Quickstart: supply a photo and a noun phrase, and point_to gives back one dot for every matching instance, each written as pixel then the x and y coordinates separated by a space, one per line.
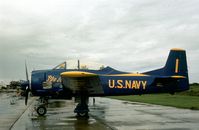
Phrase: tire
pixel 41 110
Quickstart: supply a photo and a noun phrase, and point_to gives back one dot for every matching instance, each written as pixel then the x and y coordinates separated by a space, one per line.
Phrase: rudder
pixel 175 69
pixel 176 65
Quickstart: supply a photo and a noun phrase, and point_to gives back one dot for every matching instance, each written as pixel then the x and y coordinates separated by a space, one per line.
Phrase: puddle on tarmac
pixel 56 104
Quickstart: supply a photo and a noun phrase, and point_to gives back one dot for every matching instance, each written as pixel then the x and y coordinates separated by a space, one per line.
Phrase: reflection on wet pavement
pixel 105 114
pixel 59 116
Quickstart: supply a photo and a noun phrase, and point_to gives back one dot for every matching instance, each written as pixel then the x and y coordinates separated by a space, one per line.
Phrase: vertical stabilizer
pixel 176 63
pixel 176 66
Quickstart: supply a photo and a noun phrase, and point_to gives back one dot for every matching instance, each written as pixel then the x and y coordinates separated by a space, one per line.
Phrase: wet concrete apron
pixel 11 109
pixel 105 114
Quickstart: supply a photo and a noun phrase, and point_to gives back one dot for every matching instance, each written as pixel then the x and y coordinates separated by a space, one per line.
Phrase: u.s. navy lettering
pixel 128 84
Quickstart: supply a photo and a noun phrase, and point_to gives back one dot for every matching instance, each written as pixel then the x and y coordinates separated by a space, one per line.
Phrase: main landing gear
pixel 82 107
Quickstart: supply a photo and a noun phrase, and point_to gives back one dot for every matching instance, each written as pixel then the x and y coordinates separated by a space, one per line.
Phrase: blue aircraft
pixel 84 83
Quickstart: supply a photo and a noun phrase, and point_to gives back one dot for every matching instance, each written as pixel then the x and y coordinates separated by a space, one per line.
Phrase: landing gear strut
pixel 41 106
pixel 82 107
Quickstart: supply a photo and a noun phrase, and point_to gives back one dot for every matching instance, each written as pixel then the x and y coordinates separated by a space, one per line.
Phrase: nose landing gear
pixel 40 108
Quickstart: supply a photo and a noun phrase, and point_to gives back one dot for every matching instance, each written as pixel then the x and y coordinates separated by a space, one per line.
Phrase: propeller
pixel 26 95
pixel 27 90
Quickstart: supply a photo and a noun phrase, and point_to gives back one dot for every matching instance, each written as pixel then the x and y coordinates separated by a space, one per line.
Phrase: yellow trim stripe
pixel 177 66
pixel 178 77
pixel 131 74
pixel 73 74
pixel 76 74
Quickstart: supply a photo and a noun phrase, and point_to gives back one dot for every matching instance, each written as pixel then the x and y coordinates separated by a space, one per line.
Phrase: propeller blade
pixel 28 86
pixel 26 95
pixel 27 78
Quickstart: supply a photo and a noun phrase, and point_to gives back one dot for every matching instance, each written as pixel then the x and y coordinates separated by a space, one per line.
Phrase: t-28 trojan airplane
pixel 83 83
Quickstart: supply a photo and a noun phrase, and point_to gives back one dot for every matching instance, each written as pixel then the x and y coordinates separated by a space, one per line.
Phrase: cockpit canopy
pixel 77 65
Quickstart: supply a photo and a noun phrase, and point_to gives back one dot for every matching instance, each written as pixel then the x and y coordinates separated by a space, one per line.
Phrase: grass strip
pixel 188 99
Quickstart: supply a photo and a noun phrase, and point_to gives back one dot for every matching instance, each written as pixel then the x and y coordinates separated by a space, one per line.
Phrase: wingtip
pixel 177 49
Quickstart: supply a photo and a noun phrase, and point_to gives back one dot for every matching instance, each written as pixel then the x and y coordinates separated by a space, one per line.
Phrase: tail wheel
pixel 41 110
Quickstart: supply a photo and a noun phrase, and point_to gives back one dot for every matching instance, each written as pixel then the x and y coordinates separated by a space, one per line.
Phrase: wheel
pixel 41 110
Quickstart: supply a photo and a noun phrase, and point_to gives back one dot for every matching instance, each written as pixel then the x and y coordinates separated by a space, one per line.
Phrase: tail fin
pixel 176 63
pixel 176 67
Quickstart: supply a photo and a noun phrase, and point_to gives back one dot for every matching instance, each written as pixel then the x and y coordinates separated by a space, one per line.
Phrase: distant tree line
pixel 194 84
pixel 14 84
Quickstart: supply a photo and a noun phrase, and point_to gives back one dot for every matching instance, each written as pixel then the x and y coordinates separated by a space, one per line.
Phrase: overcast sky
pixel 129 35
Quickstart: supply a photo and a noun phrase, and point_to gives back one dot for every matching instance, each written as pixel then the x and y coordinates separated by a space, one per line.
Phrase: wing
pixel 82 82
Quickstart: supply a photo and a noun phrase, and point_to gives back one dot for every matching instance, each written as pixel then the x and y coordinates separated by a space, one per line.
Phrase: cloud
pixel 131 36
